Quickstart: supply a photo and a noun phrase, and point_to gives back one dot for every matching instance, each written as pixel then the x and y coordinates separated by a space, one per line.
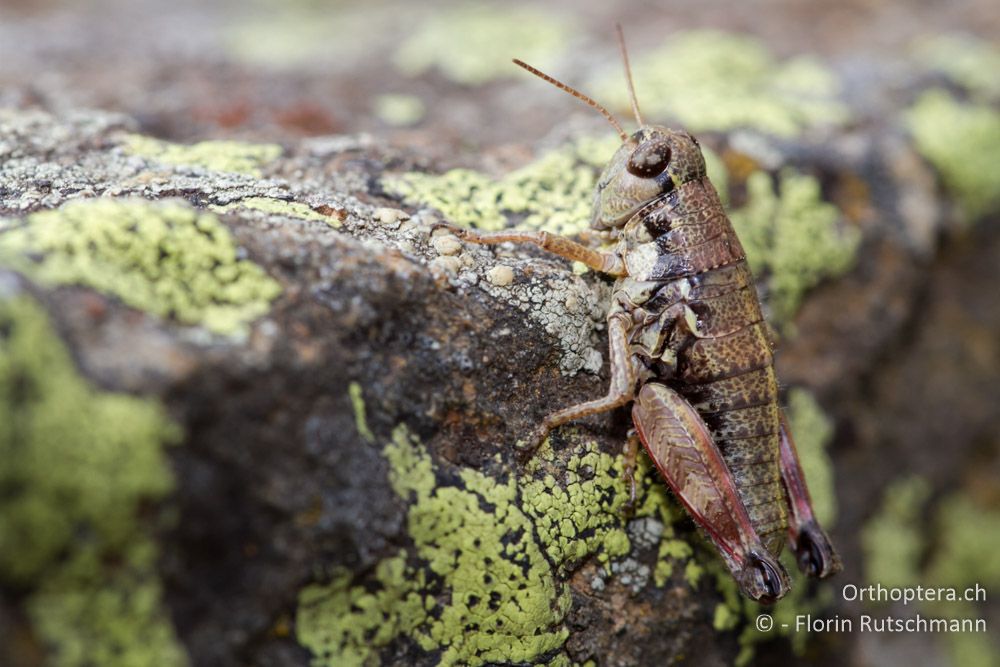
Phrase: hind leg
pixel 679 443
pixel 812 547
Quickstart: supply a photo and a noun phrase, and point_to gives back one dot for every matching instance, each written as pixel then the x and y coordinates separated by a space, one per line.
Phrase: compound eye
pixel 649 159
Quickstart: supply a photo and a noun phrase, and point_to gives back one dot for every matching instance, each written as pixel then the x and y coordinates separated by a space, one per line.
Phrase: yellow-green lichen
pixel 967 542
pixel 473 43
pixel 672 551
pixel 711 80
pixel 554 193
pixel 893 540
pixel 967 60
pixel 962 141
pixel 900 552
pixel 78 464
pixel 358 404
pixel 485 579
pixel 399 110
pixel 724 618
pixel 582 514
pixel 792 237
pixel 291 209
pixel 304 37
pixel 163 258
pixel 231 156
pixel 344 625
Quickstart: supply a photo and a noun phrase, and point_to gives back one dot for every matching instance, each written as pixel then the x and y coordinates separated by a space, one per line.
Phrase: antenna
pixel 575 93
pixel 628 75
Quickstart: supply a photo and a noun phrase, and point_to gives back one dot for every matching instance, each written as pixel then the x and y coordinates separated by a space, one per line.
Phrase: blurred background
pixel 891 107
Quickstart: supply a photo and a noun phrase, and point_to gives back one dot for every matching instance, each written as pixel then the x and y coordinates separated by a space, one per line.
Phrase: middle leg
pixel 620 391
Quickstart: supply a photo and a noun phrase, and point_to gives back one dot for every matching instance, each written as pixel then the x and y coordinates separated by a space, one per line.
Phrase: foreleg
pixel 604 262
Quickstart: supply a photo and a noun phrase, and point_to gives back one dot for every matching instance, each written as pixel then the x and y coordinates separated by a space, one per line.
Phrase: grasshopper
pixel 690 350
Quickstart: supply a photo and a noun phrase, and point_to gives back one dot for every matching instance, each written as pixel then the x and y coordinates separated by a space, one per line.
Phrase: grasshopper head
pixel 649 164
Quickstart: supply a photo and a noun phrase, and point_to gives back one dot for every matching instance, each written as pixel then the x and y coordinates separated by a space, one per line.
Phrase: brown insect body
pixel 689 349
pixel 697 322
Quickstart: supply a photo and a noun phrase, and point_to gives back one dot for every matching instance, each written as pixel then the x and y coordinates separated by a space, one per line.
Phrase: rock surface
pixel 253 410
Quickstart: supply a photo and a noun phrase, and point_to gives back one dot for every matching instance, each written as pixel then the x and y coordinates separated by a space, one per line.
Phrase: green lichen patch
pixel 968 540
pixel 358 404
pixel 582 514
pixel 291 209
pixel 78 464
pixel 554 193
pixel 495 597
pixel 90 613
pixel 164 258
pixel 399 110
pixel 711 80
pixel 344 625
pixel 967 60
pixel 485 579
pixel 893 540
pixel 899 551
pixel 962 142
pixel 473 43
pixel 229 156
pixel 792 237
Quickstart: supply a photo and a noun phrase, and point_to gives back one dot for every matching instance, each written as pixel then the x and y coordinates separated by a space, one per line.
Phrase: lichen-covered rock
pixel 255 410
